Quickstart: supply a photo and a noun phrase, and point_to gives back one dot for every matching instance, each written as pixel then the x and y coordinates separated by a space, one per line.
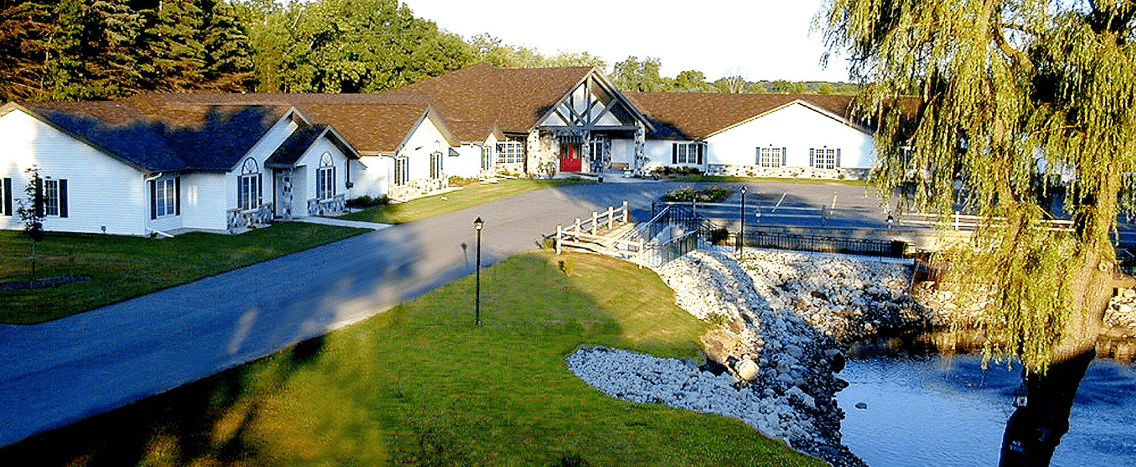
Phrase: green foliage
pixel 718 319
pixel 105 49
pixel 719 235
pixel 1007 93
pixel 366 201
pixel 492 50
pixel 712 194
pixel 347 46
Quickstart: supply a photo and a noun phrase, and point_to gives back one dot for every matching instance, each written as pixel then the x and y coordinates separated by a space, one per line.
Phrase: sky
pixel 757 39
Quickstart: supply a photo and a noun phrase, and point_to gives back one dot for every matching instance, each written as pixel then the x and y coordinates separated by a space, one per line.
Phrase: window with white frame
pixel 487 156
pixel 325 178
pixel 401 171
pixel 249 185
pixel 687 153
pixel 824 158
pixel 771 157
pixel 55 197
pixel 510 152
pixel 436 165
pixel 597 143
pixel 164 197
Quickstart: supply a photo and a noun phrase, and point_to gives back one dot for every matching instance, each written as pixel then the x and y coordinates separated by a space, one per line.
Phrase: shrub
pixel 367 201
pixel 719 236
pixel 462 181
pixel 707 195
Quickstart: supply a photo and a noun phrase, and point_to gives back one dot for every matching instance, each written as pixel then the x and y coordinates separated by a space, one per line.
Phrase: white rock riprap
pixel 680 383
pixel 780 366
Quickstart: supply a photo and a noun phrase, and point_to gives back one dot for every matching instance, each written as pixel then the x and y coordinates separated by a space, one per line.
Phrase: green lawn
pixel 468 196
pixel 123 267
pixel 421 385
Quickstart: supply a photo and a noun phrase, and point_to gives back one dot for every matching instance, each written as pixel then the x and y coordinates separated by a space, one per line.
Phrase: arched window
pixel 249 185
pixel 325 177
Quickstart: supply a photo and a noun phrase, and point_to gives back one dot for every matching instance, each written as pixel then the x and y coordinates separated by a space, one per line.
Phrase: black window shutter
pixel 837 157
pixel 812 157
pixel 177 196
pixel 259 191
pixel 153 199
pixel 784 156
pixel 63 198
pixel 674 153
pixel 701 152
pixel 7 197
pixel 38 201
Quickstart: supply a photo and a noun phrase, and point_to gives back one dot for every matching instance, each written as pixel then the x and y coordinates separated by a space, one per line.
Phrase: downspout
pixel 145 224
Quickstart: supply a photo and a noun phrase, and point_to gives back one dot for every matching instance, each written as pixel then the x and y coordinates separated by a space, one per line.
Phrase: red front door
pixel 570 157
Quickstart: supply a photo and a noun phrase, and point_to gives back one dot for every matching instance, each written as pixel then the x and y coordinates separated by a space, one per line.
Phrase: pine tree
pixel 27 33
pixel 97 59
pixel 228 64
pixel 171 57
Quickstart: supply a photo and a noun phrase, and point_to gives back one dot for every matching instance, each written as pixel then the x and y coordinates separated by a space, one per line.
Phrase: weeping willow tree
pixel 982 105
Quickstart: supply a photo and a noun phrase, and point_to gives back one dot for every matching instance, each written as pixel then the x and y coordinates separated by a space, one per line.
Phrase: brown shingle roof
pixel 165 137
pixel 473 99
pixel 689 115
pixel 372 123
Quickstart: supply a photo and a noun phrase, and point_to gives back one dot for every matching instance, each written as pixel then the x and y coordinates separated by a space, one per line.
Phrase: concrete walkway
pixel 343 222
pixel 56 373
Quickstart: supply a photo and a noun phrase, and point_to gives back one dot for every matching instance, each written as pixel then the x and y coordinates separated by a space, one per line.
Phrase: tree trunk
pixel 1035 429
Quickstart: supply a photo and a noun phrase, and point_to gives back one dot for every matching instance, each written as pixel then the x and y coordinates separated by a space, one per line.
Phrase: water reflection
pixel 947 411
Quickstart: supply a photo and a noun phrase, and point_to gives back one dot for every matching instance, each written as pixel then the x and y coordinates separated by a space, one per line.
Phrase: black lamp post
pixel 477 225
pixel 741 235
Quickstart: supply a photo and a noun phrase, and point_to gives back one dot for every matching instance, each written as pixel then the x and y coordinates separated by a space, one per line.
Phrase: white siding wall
pixel 309 163
pixel 424 139
pixel 260 151
pixel 466 164
pixel 796 128
pixel 101 190
pixel 205 197
pixel 372 175
pixel 623 150
pixel 660 152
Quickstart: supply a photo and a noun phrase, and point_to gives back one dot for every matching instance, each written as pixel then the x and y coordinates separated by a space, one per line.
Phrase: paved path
pixel 56 373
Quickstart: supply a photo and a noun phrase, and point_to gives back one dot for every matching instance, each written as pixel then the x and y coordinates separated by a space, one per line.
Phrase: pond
pixel 948 411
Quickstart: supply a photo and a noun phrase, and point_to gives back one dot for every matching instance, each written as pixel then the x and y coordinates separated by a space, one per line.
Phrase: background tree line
pixel 108 49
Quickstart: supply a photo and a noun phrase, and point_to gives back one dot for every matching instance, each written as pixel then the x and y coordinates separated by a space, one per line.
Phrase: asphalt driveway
pixel 56 373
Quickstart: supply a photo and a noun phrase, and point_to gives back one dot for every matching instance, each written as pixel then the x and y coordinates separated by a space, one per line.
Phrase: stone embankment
pixel 783 320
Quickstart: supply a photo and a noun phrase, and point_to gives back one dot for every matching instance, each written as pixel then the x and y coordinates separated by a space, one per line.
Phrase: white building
pixel 762 135
pixel 137 168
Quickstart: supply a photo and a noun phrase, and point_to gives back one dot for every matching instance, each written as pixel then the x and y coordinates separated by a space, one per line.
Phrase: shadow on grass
pixel 422 385
pixel 207 421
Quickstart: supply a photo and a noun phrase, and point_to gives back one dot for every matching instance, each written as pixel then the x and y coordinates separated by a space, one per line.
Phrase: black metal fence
pixel 855 246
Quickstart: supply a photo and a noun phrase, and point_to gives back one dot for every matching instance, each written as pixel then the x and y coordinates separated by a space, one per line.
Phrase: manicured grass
pixel 468 196
pixel 124 267
pixel 421 385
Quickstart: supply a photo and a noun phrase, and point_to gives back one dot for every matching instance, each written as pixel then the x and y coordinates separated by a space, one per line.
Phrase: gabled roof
pixel 163 137
pixel 692 116
pixel 475 98
pixel 292 149
pixel 372 123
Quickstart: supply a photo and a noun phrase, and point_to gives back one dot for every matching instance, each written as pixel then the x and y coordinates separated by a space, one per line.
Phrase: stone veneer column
pixel 532 153
pixel 640 159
